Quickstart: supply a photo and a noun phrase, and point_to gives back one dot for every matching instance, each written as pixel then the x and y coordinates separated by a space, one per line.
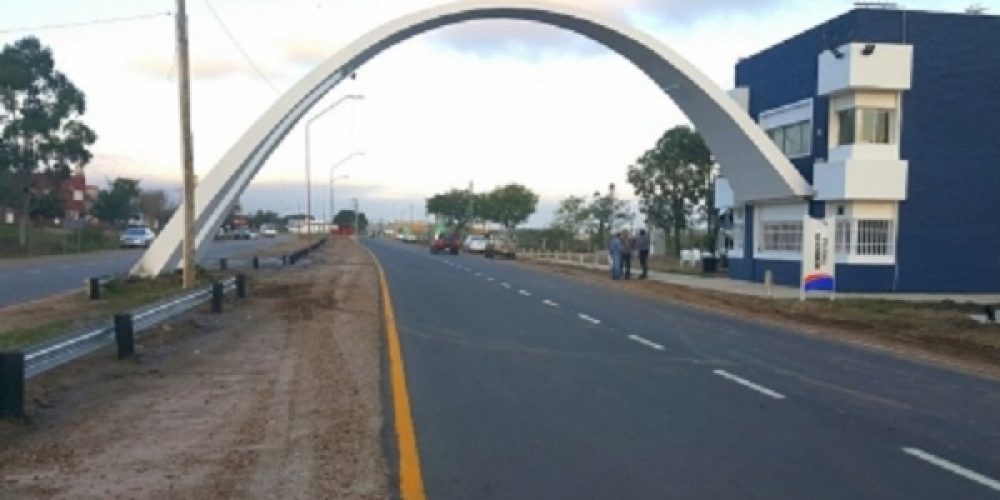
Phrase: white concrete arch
pixel 748 159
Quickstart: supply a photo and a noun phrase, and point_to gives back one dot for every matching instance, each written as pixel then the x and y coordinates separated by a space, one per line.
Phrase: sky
pixel 486 102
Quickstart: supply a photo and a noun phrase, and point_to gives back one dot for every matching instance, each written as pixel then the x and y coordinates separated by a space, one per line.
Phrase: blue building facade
pixel 894 117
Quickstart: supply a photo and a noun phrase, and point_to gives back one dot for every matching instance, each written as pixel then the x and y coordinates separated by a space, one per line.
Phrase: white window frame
pixel 793 116
pixel 789 232
pixel 738 232
pixel 863 247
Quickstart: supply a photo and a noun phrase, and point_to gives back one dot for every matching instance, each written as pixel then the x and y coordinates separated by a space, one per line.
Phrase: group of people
pixel 620 251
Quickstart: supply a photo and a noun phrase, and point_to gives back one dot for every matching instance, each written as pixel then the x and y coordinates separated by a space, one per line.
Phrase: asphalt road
pixel 527 385
pixel 23 280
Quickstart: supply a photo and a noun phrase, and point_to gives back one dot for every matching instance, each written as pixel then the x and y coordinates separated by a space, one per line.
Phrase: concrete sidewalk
pixel 727 285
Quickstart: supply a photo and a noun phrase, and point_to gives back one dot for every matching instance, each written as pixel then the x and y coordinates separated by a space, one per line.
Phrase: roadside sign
pixel 818 263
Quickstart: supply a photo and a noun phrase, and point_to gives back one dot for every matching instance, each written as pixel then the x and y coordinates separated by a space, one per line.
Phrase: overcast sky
pixel 486 102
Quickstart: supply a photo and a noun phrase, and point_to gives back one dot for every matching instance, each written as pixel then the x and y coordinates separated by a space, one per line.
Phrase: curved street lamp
pixel 309 123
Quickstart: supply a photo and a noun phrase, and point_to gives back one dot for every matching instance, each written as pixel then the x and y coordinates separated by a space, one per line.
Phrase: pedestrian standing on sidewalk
pixel 642 244
pixel 615 257
pixel 628 244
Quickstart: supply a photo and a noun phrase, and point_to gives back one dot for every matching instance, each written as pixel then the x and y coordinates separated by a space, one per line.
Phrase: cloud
pixel 202 68
pixel 531 40
pixel 307 51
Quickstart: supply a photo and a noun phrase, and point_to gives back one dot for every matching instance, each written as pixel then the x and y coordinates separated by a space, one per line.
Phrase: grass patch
pixel 55 241
pixel 25 337
pixel 118 296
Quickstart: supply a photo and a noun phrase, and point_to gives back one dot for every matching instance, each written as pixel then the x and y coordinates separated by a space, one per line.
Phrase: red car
pixel 446 243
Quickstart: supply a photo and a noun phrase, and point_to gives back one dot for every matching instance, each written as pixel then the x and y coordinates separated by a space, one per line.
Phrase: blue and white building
pixel 893 116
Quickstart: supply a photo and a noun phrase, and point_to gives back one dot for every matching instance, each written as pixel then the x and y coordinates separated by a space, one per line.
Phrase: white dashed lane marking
pixel 524 292
pixel 646 342
pixel 505 285
pixel 954 468
pixel 550 303
pixel 750 385
pixel 589 319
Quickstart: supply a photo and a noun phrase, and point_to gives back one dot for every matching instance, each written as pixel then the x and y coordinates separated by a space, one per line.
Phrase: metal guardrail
pixel 17 367
pixel 45 357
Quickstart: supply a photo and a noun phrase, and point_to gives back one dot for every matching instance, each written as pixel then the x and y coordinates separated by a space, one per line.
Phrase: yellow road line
pixel 411 483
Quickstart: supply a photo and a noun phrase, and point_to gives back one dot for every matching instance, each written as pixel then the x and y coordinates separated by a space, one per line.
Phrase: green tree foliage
pixel 117 203
pixel 346 218
pixel 509 205
pixel 572 215
pixel 262 217
pixel 41 137
pixel 457 206
pixel 674 182
pixel 605 212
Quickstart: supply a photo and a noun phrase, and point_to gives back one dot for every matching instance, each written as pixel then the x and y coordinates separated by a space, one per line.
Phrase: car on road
pixel 136 237
pixel 268 231
pixel 449 243
pixel 475 243
pixel 501 245
pixel 244 234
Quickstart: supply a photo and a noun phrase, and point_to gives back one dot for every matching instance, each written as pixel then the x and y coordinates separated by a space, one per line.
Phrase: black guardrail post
pixel 284 260
pixel 241 286
pixel 991 314
pixel 256 262
pixel 222 264
pixel 95 288
pixel 125 335
pixel 217 291
pixel 12 384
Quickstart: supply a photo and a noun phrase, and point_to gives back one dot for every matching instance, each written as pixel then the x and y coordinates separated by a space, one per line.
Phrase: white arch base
pixel 748 159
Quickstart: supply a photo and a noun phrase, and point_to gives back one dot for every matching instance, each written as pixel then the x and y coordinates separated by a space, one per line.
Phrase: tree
pixel 41 138
pixel 509 205
pixel 117 203
pixel 671 180
pixel 346 218
pixel 262 217
pixel 572 215
pixel 456 206
pixel 156 207
pixel 605 212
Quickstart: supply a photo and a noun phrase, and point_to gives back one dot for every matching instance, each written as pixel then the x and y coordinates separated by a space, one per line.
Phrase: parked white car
pixel 475 244
pixel 137 237
pixel 268 231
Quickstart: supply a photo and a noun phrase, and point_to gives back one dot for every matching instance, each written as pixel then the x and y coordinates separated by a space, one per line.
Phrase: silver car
pixel 137 237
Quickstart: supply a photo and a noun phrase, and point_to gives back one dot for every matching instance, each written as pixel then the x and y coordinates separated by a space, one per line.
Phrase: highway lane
pixel 23 280
pixel 549 388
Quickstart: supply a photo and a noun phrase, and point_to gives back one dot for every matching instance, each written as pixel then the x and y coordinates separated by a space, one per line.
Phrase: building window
pixel 781 236
pixel 875 237
pixel 843 244
pixel 738 228
pixel 875 124
pixel 864 126
pixel 77 195
pixel 794 140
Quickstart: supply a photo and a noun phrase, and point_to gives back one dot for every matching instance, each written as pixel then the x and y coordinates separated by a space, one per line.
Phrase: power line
pixel 239 47
pixel 80 24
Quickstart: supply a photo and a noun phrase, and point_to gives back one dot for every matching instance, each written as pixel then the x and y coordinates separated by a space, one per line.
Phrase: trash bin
pixel 709 264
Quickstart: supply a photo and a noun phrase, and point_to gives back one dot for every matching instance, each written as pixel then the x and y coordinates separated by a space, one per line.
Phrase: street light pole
pixel 309 123
pixel 333 214
pixel 333 169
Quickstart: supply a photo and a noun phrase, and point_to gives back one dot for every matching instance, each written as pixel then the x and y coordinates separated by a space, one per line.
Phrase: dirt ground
pixel 278 397
pixel 937 333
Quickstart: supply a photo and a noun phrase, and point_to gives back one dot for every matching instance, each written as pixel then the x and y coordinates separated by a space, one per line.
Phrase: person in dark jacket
pixel 615 256
pixel 628 244
pixel 642 245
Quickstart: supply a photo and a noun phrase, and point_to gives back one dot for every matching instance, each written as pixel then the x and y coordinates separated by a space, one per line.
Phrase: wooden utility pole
pixel 187 147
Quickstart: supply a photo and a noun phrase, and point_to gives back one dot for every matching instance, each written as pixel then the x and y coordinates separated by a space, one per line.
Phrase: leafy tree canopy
pixel 674 179
pixel 118 202
pixel 41 137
